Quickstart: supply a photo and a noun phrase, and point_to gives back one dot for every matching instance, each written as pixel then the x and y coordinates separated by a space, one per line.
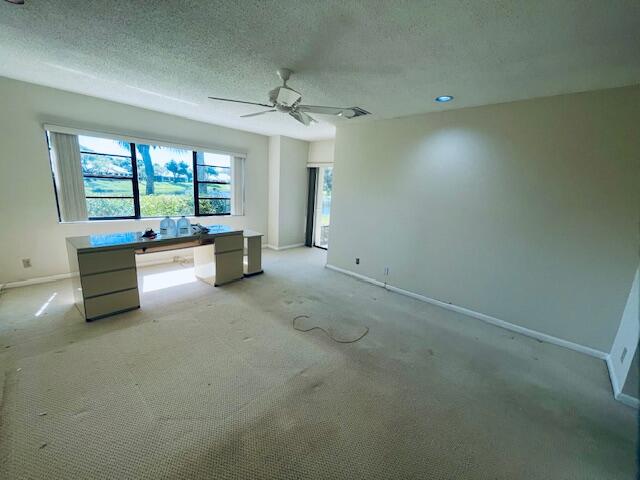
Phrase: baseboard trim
pixel 480 316
pixel 615 386
pixel 38 280
pixel 285 247
pixel 628 400
pixel 355 275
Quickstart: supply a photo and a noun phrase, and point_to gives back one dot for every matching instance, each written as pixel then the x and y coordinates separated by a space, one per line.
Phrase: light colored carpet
pixel 215 383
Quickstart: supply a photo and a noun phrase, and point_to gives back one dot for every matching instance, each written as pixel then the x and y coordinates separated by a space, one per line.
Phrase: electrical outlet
pixel 386 271
pixel 357 261
pixel 624 354
pixel 26 263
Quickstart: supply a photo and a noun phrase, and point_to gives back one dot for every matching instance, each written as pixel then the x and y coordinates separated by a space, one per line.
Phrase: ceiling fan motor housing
pixel 284 97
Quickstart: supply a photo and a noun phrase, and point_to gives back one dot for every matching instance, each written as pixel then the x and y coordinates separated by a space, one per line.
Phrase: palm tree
pixel 148 167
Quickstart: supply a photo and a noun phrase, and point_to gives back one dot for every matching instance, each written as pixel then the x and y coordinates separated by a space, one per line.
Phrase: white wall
pixel 626 341
pixel 287 191
pixel 526 211
pixel 30 227
pixel 321 151
pixel 274 191
pixel 293 191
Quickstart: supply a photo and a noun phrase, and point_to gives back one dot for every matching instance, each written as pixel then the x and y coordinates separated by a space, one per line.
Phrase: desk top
pixel 114 241
pixel 252 234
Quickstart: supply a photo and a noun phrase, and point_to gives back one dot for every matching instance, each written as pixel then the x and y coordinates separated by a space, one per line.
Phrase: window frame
pixel 135 181
pixel 196 189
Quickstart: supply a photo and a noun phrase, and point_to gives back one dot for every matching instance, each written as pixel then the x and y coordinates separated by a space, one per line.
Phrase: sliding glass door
pixel 324 187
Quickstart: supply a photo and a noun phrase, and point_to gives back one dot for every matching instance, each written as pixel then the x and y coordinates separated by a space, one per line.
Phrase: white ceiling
pixel 388 57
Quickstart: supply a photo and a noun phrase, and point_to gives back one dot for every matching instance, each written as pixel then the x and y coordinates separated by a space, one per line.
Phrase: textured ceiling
pixel 388 57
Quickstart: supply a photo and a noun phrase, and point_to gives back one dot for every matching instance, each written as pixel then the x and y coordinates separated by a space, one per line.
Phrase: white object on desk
pixel 168 226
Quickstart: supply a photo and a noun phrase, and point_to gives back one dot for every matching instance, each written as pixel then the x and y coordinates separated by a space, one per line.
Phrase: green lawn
pixel 168 188
pixel 169 198
pixel 116 188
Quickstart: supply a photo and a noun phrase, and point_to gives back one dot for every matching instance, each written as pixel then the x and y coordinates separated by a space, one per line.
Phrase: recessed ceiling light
pixel 443 98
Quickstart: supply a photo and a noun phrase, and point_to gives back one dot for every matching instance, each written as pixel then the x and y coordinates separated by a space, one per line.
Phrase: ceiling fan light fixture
pixel 443 98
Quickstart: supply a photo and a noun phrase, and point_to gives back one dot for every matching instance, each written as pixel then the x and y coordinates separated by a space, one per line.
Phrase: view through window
pixel 165 181
pixel 129 180
pixel 214 183
pixel 108 174
pixel 323 206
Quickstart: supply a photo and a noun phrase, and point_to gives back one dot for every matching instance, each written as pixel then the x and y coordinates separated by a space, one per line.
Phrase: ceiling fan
pixel 286 100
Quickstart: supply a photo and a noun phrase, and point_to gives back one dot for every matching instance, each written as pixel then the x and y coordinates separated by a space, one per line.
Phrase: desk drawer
pixel 112 303
pixel 229 243
pixel 105 261
pixel 101 283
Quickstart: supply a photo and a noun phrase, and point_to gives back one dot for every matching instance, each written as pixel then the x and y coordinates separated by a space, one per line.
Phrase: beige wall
pixel 29 225
pixel 287 190
pixel 293 191
pixel 274 191
pixel 321 151
pixel 525 211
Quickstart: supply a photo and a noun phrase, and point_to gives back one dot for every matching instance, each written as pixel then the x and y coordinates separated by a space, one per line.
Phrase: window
pixel 213 191
pixel 134 180
pixel 108 174
pixel 165 181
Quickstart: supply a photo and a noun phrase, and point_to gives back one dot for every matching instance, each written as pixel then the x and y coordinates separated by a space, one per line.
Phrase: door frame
pixel 316 190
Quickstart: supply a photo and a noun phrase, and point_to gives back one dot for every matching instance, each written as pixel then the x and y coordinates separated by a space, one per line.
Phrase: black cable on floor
pixel 366 330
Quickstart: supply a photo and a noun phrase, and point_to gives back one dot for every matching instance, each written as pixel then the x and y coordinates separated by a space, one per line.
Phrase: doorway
pixel 319 206
pixel 323 209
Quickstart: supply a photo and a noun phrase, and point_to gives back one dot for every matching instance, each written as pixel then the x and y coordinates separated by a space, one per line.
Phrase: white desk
pixel 108 282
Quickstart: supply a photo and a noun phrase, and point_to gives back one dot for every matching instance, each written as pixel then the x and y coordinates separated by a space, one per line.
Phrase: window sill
pixel 192 219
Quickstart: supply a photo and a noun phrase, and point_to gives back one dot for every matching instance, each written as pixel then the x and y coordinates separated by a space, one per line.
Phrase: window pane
pixel 110 207
pixel 214 174
pixel 108 187
pixel 214 159
pixel 103 165
pixel 104 145
pixel 214 190
pixel 165 181
pixel 209 207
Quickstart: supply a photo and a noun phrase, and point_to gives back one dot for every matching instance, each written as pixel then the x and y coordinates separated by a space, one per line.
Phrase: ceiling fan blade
pixel 241 101
pixel 344 112
pixel 302 117
pixel 258 113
